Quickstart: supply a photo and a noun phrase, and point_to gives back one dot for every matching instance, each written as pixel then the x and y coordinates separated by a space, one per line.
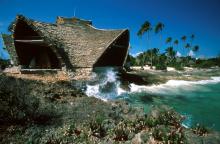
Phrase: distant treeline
pixel 162 61
pixel 177 55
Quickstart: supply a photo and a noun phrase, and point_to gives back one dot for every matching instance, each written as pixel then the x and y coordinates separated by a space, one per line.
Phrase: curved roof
pixel 82 43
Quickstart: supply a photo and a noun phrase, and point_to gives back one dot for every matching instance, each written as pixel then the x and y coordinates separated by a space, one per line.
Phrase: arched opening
pixel 32 51
pixel 116 53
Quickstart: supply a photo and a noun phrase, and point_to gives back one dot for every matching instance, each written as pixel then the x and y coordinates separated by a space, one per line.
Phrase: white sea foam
pixel 107 86
pixel 173 86
pixel 187 123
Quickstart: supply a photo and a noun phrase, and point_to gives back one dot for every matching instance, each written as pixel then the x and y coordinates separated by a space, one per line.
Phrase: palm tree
pixel 169 40
pixel 163 61
pixel 148 55
pixel 195 49
pixel 176 43
pixel 188 46
pixel 192 38
pixel 170 53
pixel 158 29
pixel 155 52
pixel 140 60
pixel 183 38
pixel 146 28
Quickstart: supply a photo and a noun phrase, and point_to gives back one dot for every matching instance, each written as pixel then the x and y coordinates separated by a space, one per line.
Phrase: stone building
pixel 70 44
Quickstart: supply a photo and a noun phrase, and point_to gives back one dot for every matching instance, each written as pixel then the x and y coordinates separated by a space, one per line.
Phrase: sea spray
pixel 105 84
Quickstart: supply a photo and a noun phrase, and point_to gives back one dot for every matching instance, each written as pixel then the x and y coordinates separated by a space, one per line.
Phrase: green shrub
pixel 97 126
pixel 170 117
pixel 145 137
pixel 169 135
pixel 139 124
pixel 206 63
pixel 163 115
pixel 151 122
pixel 200 130
pixel 121 132
pixel 161 133
pixel 16 104
pixel 161 66
pixel 178 66
pixel 19 105
pixel 176 137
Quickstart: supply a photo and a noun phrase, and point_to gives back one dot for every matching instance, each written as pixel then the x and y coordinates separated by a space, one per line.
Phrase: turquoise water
pixel 200 103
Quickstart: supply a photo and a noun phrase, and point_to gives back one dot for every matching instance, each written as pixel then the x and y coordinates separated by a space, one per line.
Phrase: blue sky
pixel 181 17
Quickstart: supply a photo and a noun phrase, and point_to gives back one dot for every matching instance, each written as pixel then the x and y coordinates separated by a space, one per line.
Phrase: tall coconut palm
pixel 146 28
pixel 183 38
pixel 176 43
pixel 169 40
pixel 188 46
pixel 195 49
pixel 192 37
pixel 170 53
pixel 158 30
pixel 155 52
pixel 140 59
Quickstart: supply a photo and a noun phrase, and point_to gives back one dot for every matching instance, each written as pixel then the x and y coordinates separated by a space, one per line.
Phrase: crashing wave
pixel 105 84
pixel 173 86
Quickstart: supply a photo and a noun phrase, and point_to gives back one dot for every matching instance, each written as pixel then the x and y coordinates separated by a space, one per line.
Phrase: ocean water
pixel 198 101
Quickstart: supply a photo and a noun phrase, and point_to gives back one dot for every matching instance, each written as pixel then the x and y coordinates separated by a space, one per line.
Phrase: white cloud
pixel 191 53
pixel 178 54
pixel 136 54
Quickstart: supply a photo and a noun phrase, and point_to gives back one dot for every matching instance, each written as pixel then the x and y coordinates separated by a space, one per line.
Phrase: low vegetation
pixel 200 130
pixel 36 112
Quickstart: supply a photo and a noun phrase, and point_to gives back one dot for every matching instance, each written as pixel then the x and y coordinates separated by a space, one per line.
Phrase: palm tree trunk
pixel 177 48
pixel 151 65
pixel 148 39
pixel 158 60
pixel 160 40
pixel 184 48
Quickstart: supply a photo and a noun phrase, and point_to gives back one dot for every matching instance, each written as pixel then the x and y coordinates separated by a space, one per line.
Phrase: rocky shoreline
pixel 38 111
pixel 150 77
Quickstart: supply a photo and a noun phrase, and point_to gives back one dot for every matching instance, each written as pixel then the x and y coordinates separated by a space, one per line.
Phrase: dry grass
pixel 48 77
